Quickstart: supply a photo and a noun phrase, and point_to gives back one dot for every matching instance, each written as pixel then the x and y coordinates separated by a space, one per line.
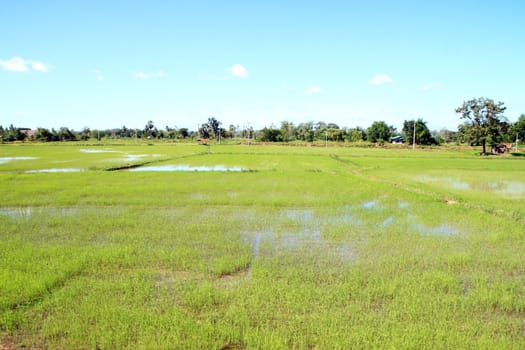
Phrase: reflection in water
pixel 442 230
pixel 504 187
pixel 26 212
pixel 296 242
pixel 300 215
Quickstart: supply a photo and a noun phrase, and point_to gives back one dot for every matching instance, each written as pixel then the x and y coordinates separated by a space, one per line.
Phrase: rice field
pixel 179 246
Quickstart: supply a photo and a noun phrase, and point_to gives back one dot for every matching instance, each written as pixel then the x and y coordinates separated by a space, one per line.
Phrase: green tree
pixel 150 131
pixel 320 130
pixel 183 132
pixel 232 130
pixel 65 134
pixel 356 134
pixel 270 135
pixel 484 120
pixel 86 134
pixel 518 129
pixel 423 135
pixel 305 132
pixel 287 131
pixel 211 129
pixel 44 134
pixel 446 136
pixel 13 134
pixel 379 131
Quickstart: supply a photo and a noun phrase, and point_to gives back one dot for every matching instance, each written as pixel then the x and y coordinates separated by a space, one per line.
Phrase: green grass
pixel 321 247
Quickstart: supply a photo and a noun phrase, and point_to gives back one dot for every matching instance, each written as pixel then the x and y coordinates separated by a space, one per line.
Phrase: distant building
pixel 397 139
pixel 28 132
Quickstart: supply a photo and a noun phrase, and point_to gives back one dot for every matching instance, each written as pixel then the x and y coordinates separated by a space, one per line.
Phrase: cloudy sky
pixel 104 64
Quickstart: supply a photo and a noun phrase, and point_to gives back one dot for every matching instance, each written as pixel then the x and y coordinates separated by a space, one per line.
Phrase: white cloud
pixel 380 79
pixel 39 66
pixel 310 90
pixel 238 71
pixel 18 64
pixel 151 75
pixel 431 86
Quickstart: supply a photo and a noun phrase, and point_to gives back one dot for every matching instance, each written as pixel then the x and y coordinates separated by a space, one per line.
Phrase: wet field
pixel 241 247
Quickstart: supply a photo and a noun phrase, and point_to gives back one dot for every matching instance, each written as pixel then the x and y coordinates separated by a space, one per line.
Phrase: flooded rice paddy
pixel 309 229
pixel 289 258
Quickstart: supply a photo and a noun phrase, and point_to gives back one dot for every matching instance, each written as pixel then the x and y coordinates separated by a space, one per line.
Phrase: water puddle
pixel 54 170
pixel 134 157
pixel 370 205
pixel 256 243
pixel 271 243
pixel 403 205
pixel 4 160
pixel 85 150
pixel 513 189
pixel 26 212
pixel 188 168
pixel 14 213
pixel 442 230
pixel 296 240
pixel 388 221
pixel 300 215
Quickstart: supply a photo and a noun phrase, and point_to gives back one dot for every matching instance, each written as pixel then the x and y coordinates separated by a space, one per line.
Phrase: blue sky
pixel 105 64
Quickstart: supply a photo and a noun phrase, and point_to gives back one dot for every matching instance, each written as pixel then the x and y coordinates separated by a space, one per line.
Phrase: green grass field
pixel 305 248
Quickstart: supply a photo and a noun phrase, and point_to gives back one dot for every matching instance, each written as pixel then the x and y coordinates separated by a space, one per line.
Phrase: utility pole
pixel 414 137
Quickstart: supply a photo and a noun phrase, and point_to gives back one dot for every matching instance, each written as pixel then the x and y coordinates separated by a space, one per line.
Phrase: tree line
pixel 482 124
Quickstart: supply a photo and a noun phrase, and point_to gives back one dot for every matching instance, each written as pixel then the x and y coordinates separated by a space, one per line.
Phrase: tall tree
pixel 356 134
pixel 150 130
pixel 305 132
pixel 211 128
pixel 423 135
pixel 287 130
pixel 270 135
pixel 379 131
pixel 484 118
